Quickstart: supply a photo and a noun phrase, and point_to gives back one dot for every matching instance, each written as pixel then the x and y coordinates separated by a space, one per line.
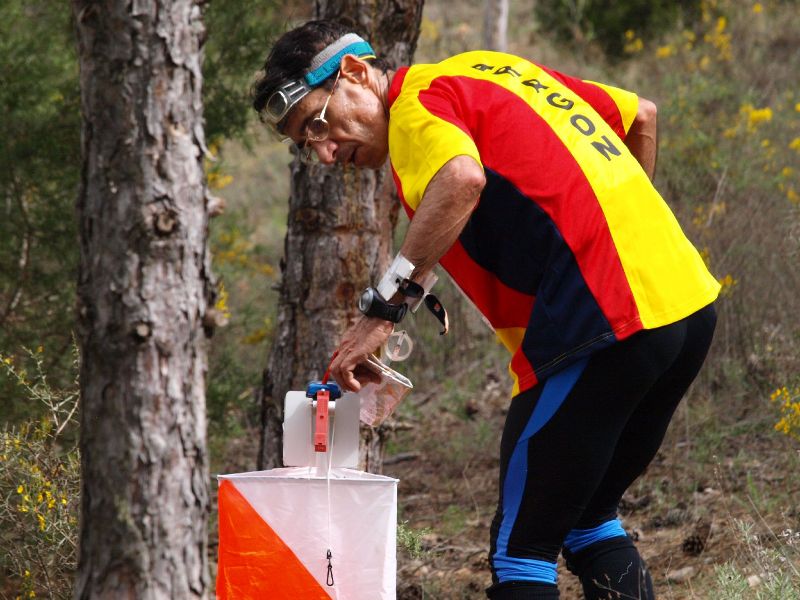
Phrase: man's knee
pixel 612 565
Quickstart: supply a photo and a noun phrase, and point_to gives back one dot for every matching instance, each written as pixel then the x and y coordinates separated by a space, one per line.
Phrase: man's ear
pixel 355 69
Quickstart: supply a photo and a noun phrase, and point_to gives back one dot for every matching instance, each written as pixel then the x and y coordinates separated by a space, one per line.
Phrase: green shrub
pixel 765 571
pixel 39 489
pixel 611 25
pixel 729 118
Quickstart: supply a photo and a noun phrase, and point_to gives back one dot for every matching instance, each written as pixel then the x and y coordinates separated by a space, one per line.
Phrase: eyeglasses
pixel 317 130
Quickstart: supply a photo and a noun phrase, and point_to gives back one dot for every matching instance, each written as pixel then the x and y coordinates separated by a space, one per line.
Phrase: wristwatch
pixel 372 304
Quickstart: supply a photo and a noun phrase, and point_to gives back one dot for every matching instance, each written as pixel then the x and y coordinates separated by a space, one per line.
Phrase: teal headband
pixel 327 62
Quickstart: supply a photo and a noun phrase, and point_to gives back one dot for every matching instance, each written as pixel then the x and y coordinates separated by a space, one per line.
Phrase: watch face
pixel 365 300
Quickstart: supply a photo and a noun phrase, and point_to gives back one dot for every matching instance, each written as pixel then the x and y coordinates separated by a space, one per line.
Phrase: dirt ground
pixel 683 511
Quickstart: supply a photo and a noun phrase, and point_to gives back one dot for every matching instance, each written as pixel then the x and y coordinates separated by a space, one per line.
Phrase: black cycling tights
pixel 571 446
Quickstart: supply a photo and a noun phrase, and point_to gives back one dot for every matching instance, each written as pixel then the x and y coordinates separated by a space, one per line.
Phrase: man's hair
pixel 291 56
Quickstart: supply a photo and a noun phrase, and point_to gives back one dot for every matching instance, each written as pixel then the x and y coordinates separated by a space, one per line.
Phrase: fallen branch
pixel 400 457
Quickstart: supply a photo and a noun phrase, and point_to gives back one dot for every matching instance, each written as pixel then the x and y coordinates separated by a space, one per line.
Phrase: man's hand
pixel 364 337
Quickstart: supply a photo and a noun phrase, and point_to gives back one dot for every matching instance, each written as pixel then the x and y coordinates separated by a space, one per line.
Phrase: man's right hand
pixel 363 338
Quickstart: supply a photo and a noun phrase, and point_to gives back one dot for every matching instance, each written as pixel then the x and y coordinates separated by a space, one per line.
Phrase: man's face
pixel 358 126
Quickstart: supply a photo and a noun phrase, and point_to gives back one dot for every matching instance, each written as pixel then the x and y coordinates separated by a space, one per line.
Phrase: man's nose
pixel 326 151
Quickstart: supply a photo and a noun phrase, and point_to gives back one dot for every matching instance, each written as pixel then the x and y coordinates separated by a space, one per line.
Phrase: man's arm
pixel 443 212
pixel 641 139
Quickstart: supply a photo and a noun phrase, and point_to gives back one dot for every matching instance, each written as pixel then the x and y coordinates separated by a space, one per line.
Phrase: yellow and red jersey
pixel 570 247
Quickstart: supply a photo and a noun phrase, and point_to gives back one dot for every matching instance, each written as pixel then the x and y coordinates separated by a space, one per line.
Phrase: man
pixel 532 189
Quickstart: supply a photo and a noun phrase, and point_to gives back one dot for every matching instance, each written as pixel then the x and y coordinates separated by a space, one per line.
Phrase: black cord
pixel 329 580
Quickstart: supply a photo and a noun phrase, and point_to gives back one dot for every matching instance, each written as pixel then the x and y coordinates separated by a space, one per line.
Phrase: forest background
pixel 716 515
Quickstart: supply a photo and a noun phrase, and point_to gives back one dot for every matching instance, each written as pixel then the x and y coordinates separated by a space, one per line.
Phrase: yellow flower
pixel 704 62
pixel 42 522
pixel 634 46
pixel 729 133
pixel 722 22
pixel 787 171
pixel 792 195
pixel 757 7
pixel 797 107
pixel 727 283
pixel 27 573
pixel 20 489
pixel 795 144
pixel 222 302
pixel 765 143
pixel 665 51
pixel 756 116
pixel 217 181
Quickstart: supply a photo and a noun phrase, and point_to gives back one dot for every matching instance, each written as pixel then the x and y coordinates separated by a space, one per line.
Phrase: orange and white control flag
pixel 276 527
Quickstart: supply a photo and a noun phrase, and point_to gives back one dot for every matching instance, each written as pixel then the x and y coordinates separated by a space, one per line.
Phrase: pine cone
pixel 695 543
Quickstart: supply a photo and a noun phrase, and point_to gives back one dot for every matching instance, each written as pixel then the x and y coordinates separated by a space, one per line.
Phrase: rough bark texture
pixel 495 25
pixel 339 239
pixel 144 289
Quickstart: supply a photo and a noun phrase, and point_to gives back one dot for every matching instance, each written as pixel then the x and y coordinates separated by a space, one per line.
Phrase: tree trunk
pixel 144 293
pixel 339 239
pixel 495 25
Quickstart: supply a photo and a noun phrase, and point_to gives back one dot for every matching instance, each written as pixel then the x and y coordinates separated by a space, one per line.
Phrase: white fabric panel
pixel 294 502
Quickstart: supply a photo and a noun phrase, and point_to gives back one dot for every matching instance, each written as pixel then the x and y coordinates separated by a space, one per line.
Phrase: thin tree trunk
pixel 144 290
pixel 338 240
pixel 495 25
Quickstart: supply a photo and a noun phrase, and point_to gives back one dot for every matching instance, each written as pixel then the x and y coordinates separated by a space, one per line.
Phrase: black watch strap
pixel 372 304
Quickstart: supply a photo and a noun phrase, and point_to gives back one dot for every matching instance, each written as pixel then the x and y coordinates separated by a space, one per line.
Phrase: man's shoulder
pixel 469 64
pixel 471 60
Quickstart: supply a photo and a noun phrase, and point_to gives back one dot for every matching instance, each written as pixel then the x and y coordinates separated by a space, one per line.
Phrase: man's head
pixel 298 80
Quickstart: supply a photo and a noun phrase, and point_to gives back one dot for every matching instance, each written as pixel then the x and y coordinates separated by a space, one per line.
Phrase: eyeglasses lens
pixel 317 130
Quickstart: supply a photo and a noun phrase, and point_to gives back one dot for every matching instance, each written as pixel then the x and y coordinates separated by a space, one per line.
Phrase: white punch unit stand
pixel 320 427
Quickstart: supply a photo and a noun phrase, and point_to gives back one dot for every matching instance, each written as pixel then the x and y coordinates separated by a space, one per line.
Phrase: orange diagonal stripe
pixel 253 561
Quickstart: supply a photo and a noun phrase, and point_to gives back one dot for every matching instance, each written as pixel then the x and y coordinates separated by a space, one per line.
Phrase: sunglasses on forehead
pixel 283 99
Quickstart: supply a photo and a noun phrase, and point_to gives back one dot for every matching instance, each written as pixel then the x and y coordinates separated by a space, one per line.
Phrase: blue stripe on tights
pixel 509 568
pixel 578 539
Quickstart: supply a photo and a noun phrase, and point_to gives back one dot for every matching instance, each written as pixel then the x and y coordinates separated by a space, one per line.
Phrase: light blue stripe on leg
pixel 578 539
pixel 509 568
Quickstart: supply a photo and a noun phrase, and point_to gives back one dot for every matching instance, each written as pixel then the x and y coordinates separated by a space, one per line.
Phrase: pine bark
pixel 495 25
pixel 339 239
pixel 144 295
